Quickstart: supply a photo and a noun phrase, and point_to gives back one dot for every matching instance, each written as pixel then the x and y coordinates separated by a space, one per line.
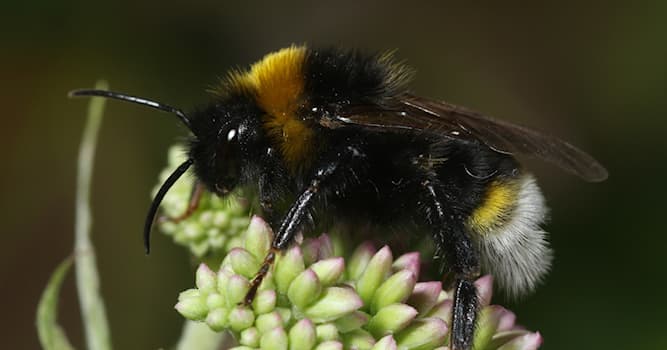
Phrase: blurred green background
pixel 594 74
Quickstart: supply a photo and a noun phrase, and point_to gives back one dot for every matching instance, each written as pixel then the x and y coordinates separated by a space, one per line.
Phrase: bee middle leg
pixel 462 259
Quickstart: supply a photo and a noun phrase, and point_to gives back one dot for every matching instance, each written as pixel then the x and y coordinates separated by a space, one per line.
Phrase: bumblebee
pixel 339 129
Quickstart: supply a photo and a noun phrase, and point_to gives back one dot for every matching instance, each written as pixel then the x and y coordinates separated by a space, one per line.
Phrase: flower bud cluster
pixel 312 299
pixel 213 229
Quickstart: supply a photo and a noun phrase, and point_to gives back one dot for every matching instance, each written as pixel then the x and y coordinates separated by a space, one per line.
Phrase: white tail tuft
pixel 517 253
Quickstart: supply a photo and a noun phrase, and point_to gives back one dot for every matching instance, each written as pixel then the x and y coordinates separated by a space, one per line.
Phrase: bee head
pixel 216 148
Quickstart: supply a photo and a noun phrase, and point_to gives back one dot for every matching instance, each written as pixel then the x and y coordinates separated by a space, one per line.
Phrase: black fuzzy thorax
pixel 335 76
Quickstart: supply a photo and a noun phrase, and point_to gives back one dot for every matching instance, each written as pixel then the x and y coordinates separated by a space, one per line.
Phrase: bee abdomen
pixel 506 226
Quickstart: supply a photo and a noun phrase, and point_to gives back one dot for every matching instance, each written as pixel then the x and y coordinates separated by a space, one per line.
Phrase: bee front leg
pixel 328 174
pixel 462 259
pixel 284 236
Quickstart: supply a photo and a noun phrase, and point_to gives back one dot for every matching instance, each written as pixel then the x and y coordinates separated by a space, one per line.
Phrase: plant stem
pixel 87 282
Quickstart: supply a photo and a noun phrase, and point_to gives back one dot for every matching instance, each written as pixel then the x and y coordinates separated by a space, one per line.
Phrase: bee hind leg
pixel 462 259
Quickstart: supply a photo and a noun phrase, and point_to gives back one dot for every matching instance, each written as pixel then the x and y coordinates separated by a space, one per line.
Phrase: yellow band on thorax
pixel 277 81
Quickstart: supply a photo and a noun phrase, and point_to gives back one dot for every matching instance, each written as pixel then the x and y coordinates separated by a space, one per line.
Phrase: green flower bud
pixel 426 333
pixel 442 310
pixel 190 293
pixel 334 302
pixel 240 318
pixel 215 300
pixel 302 335
pixel 529 341
pixel 215 241
pixel 193 308
pixel 220 218
pixel 391 319
pixel 243 263
pixel 329 271
pixel 275 339
pixel 352 321
pixel 327 332
pixel 484 286
pixel 376 271
pixel 264 302
pixel 359 260
pixel 205 279
pixel 288 266
pixel 358 339
pixel 250 337
pixel 504 337
pixel 330 345
pixel 425 296
pixel 217 319
pixel 192 231
pixel 506 318
pixel 236 289
pixel 316 249
pixel 409 261
pixel 386 343
pixel 396 289
pixel 258 238
pixel 224 274
pixel 487 322
pixel 269 321
pixel 305 288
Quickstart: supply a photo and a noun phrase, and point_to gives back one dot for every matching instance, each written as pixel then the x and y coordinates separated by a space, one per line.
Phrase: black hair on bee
pixel 339 128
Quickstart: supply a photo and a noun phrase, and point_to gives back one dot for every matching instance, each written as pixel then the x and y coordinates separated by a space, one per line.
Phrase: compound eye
pixel 232 135
pixel 227 161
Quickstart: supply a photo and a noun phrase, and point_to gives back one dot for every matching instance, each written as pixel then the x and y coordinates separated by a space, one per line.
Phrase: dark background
pixel 594 74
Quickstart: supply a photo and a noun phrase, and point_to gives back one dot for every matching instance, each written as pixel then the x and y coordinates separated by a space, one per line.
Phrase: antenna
pixel 150 217
pixel 134 99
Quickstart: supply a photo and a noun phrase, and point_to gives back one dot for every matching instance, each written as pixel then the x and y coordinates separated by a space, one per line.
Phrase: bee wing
pixel 419 114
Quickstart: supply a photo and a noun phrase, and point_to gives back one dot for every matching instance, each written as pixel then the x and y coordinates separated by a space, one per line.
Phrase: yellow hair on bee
pixel 398 74
pixel 277 83
pixel 497 206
